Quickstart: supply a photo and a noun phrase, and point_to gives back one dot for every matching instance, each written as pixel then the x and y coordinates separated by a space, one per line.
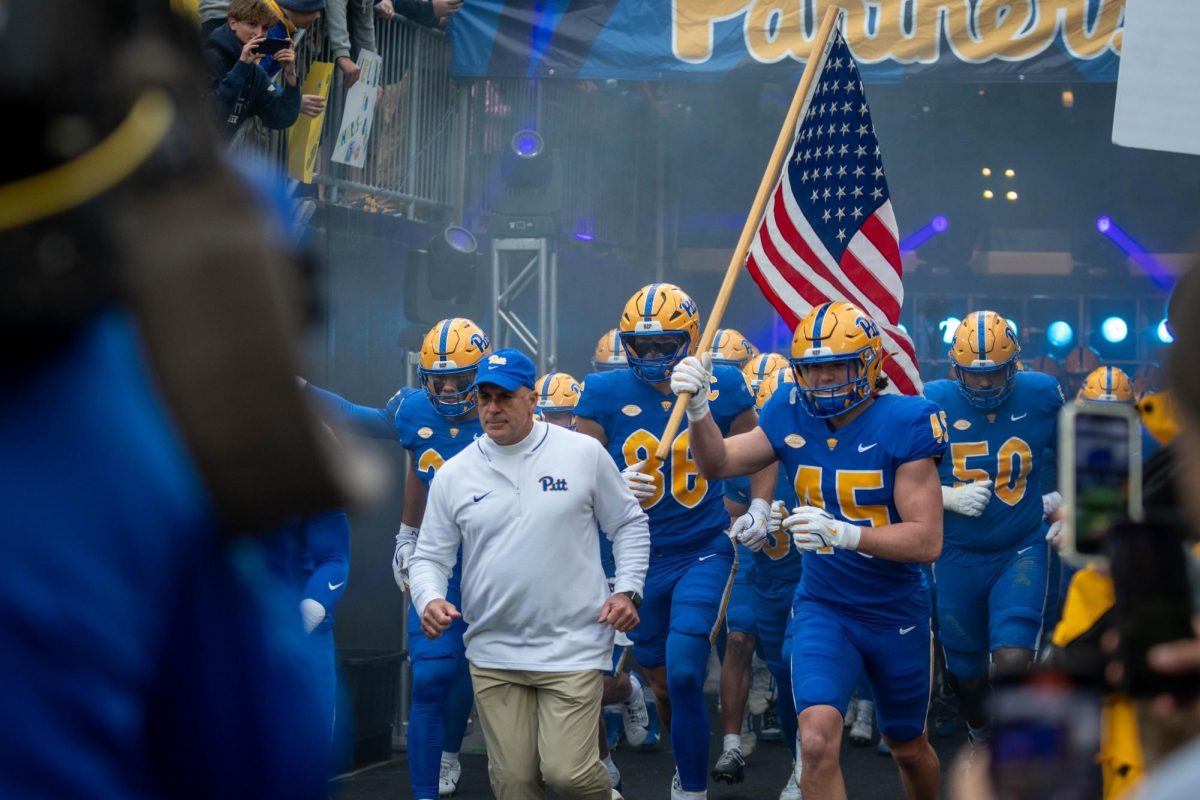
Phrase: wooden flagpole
pixel 754 218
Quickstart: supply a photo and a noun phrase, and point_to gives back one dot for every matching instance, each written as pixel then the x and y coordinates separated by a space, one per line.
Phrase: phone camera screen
pixel 1102 456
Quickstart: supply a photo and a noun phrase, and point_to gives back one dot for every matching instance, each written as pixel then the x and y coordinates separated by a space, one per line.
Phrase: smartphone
pixel 1100 475
pixel 1153 605
pixel 1045 734
pixel 269 47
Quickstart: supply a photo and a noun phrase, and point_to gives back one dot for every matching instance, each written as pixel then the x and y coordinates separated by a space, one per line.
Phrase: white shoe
pixel 863 727
pixel 678 792
pixel 614 774
pixel 448 778
pixel 634 714
pixel 791 789
pixel 760 687
pixel 749 737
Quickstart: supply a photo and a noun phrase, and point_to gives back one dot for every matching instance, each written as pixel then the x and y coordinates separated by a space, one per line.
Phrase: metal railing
pixel 414 145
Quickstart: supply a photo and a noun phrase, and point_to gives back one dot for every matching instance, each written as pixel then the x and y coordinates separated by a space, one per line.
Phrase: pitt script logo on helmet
pixel 836 333
pixel 731 348
pixel 1108 385
pixel 450 355
pixel 609 354
pixel 557 394
pixel 660 325
pixel 762 375
pixel 984 358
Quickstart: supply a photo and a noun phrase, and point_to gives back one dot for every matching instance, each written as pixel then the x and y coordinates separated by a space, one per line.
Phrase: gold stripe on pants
pixel 540 729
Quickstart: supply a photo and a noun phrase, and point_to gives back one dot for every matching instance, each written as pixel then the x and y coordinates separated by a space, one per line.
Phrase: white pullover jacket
pixel 526 516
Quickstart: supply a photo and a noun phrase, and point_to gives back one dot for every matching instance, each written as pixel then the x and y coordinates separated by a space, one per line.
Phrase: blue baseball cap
pixel 507 368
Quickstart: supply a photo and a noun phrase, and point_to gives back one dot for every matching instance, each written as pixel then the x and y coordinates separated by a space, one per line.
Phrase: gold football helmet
pixel 983 356
pixel 731 348
pixel 449 355
pixel 836 333
pixel 557 394
pixel 1107 384
pixel 609 354
pixel 660 325
pixel 761 367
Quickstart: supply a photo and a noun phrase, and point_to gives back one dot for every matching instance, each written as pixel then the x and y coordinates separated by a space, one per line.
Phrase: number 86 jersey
pixel 686 509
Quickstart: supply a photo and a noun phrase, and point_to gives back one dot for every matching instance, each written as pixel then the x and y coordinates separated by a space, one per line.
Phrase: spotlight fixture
pixel 1114 330
pixel 1059 333
pixel 948 327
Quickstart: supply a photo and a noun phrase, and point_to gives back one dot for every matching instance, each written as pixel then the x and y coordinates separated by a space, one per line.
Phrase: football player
pixel 557 394
pixel 692 561
pixel 993 571
pixel 433 425
pixel 775 569
pixel 1112 385
pixel 863 464
pixel 609 354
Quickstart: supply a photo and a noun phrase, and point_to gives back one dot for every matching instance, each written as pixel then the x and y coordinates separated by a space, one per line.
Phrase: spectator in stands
pixel 350 26
pixel 240 86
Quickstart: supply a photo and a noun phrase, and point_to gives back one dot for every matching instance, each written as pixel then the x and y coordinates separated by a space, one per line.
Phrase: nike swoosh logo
pixel 1023 549
pixel 479 497
pixel 1014 417
pixel 706 558
pixel 333 587
pixel 862 449
pixel 909 629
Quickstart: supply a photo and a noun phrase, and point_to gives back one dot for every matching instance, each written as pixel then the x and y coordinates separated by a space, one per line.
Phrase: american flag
pixel 828 231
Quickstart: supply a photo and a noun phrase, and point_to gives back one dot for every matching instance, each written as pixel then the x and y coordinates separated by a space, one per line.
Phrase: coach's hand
pixel 641 484
pixel 437 618
pixel 751 528
pixel 692 376
pixel 815 528
pixel 970 499
pixel 619 611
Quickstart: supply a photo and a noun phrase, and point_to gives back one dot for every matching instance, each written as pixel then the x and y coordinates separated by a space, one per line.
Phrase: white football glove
pixel 1050 503
pixel 969 499
pixel 406 543
pixel 751 528
pixel 312 613
pixel 641 484
pixel 1054 535
pixel 814 528
pixel 775 519
pixel 693 376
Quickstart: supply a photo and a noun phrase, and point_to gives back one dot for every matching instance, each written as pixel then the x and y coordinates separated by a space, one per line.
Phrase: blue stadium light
pixel 921 235
pixel 1114 330
pixel 1012 323
pixel 1059 333
pixel 903 328
pixel 1153 268
pixel 1163 331
pixel 948 326
pixel 527 144
pixel 584 237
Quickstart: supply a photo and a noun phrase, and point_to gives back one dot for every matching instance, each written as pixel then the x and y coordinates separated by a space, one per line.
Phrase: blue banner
pixel 892 40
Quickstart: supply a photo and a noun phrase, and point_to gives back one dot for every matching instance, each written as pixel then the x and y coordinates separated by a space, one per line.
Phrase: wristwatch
pixel 633 596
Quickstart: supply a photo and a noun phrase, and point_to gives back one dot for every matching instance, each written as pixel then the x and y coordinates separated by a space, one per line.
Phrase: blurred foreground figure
pixel 149 418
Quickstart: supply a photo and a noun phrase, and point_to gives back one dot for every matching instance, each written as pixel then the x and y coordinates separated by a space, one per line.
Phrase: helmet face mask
pixel 836 357
pixel 984 357
pixel 450 355
pixel 660 326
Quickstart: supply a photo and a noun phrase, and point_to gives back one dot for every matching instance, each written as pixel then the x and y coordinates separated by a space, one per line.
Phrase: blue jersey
pixel 431 438
pixel 851 473
pixel 686 509
pixel 1008 445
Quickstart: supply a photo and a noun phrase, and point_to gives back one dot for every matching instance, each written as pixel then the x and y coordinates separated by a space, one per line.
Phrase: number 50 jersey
pixel 686 508
pixel 1006 445
pixel 851 473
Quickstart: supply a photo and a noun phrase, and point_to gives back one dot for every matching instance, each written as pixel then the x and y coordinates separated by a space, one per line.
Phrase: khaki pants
pixel 540 729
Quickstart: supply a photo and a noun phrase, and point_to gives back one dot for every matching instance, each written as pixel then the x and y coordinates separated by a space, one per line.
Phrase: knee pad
pixel 432 678
pixel 687 660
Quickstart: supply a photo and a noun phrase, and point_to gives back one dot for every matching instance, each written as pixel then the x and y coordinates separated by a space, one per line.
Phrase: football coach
pixel 526 502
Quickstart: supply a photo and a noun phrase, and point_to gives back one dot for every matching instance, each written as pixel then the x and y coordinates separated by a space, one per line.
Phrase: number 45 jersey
pixel 851 473
pixel 686 509
pixel 1006 445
